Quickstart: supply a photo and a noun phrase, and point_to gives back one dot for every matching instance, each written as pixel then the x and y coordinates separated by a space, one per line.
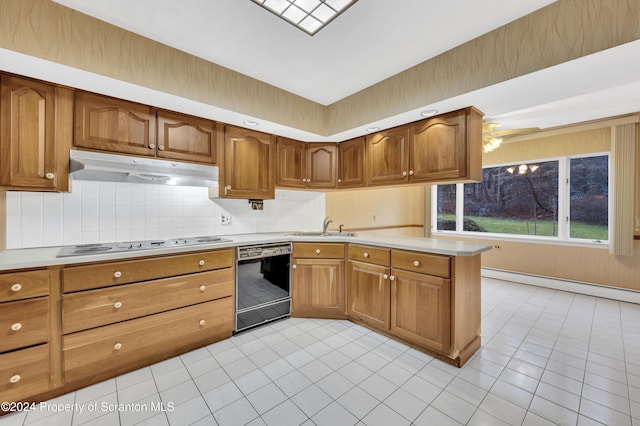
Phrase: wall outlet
pixel 225 219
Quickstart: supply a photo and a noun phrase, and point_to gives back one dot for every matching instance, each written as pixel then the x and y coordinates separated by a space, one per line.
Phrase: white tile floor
pixel 548 357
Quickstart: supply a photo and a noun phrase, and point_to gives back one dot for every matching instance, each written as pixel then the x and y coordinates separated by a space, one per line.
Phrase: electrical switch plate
pixel 225 219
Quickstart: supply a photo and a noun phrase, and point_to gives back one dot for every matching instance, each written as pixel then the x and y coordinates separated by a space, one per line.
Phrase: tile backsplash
pixel 96 212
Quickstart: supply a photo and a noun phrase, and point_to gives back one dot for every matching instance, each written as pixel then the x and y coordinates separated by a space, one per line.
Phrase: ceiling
pixel 372 41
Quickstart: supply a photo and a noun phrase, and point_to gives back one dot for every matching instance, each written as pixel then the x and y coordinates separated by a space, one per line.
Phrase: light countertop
pixel 46 256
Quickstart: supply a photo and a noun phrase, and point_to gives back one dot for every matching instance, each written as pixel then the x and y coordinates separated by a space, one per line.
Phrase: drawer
pixel 22 285
pixel 93 308
pixel 423 263
pixel 24 373
pixel 319 250
pixel 114 349
pixel 86 277
pixel 376 255
pixel 24 323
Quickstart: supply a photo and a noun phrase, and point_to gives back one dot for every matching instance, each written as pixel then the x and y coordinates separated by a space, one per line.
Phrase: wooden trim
pixel 3 220
pixel 375 228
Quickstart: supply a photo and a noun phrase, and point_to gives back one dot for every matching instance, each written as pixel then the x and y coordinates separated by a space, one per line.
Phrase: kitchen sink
pixel 320 234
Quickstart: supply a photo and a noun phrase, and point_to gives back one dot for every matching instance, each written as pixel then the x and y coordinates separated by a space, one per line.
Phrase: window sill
pixel 487 236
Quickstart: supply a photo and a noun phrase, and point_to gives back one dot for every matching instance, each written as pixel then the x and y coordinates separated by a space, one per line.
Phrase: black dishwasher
pixel 262 284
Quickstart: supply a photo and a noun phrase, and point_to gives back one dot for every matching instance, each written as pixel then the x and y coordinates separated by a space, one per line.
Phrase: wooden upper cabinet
pixel 447 147
pixel 388 157
pixel 306 165
pixel 322 165
pixel 183 137
pixel 291 163
pixel 37 127
pixel 351 164
pixel 249 164
pixel 110 124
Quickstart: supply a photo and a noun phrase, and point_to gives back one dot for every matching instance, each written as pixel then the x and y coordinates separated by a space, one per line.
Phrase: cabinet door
pixel 322 165
pixel 439 148
pixel 183 137
pixel 291 163
pixel 420 309
pixel 317 288
pixel 249 164
pixel 109 124
pixel 388 157
pixel 36 134
pixel 351 163
pixel 369 294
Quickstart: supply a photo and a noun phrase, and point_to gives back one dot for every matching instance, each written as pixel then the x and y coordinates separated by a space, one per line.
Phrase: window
pixel 528 200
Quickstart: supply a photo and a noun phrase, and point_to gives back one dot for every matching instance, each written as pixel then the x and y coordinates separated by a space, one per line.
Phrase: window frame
pixel 563 237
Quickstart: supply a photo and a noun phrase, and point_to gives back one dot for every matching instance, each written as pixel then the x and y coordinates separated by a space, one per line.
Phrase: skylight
pixel 308 15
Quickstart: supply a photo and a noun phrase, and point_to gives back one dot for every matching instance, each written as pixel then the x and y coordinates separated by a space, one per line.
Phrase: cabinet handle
pixel 203 288
pixel 49 175
pixel 228 187
pixel 339 180
pixel 366 254
pixel 308 180
pixel 117 346
pixel 294 266
pixel 392 278
pixel 410 172
pixel 385 276
pixel 117 274
pixel 161 147
pixel 117 305
pixel 17 326
pixel 416 263
pixel 14 379
pixel 152 146
pixel 404 174
pixel 201 323
pixel 16 287
pixel 317 251
pixel 201 263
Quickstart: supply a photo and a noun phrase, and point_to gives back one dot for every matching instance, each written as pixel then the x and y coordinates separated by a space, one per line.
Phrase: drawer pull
pixel 416 263
pixel 117 305
pixel 117 274
pixel 16 287
pixel 317 251
pixel 14 379
pixel 203 288
pixel 201 323
pixel 117 346
pixel 366 254
pixel 17 326
pixel 201 263
pixel 385 276
pixel 392 278
pixel 294 266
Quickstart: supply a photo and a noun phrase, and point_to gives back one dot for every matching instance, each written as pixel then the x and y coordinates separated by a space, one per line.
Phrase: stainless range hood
pixel 98 166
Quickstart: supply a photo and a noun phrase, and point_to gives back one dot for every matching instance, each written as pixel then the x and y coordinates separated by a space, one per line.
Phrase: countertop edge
pixel 46 256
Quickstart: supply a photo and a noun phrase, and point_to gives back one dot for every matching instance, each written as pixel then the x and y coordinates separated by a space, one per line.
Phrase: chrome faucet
pixel 325 225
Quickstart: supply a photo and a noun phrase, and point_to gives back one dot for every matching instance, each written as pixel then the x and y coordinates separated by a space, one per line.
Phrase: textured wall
pixel 46 30
pixel 562 31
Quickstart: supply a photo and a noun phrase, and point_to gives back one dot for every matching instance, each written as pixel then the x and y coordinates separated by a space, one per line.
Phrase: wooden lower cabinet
pixel 87 309
pixel 421 309
pixel 24 374
pixel 317 288
pixel 107 351
pixel 318 280
pixel 369 294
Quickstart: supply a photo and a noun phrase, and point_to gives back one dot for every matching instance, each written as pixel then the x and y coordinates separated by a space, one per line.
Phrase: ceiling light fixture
pixel 372 129
pixel 428 112
pixel 250 123
pixel 489 139
pixel 308 15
